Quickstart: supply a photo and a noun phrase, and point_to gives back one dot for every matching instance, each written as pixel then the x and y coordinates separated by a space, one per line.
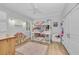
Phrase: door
pixel 71 39
pixel 74 31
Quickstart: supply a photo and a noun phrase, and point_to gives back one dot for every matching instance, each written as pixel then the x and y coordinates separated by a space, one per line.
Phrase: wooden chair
pixel 20 38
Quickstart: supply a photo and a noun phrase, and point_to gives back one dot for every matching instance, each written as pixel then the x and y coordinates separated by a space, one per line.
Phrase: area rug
pixel 32 48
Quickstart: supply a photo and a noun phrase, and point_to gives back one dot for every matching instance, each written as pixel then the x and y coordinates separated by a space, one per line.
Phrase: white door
pixel 74 31
pixel 72 23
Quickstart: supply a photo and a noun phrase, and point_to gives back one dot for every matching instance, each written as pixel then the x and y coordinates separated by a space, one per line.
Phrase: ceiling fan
pixel 35 9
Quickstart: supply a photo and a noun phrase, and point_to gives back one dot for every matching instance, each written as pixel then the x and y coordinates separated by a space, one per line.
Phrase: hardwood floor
pixel 57 49
pixel 54 48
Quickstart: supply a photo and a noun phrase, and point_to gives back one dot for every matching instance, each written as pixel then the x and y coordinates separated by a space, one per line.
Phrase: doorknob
pixel 68 35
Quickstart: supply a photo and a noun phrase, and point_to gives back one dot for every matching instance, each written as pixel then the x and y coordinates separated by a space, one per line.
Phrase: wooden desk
pixel 7 45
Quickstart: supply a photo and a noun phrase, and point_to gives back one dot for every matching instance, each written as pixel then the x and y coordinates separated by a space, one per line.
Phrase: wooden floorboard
pixel 54 48
pixel 57 49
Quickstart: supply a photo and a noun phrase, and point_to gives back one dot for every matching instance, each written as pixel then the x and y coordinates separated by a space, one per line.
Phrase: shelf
pixel 42 25
pixel 46 32
pixel 41 39
pixel 41 31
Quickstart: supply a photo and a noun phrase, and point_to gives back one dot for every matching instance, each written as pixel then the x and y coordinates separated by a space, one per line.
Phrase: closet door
pixel 74 31
pixel 71 28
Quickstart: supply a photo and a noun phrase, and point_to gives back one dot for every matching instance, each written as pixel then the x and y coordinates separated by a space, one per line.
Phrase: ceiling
pixel 37 10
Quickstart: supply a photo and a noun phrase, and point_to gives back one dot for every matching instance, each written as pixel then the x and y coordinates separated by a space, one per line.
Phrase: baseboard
pixel 66 50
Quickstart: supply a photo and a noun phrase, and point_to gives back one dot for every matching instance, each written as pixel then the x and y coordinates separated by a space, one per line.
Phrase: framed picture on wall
pixel 55 24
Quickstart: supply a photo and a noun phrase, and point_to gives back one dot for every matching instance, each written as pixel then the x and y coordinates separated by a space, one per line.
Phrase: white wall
pixel 9 13
pixel 12 29
pixel 67 8
pixel 55 30
pixel 3 23
pixel 71 27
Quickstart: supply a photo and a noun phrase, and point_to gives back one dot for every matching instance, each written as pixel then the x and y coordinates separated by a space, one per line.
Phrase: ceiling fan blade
pixel 35 9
